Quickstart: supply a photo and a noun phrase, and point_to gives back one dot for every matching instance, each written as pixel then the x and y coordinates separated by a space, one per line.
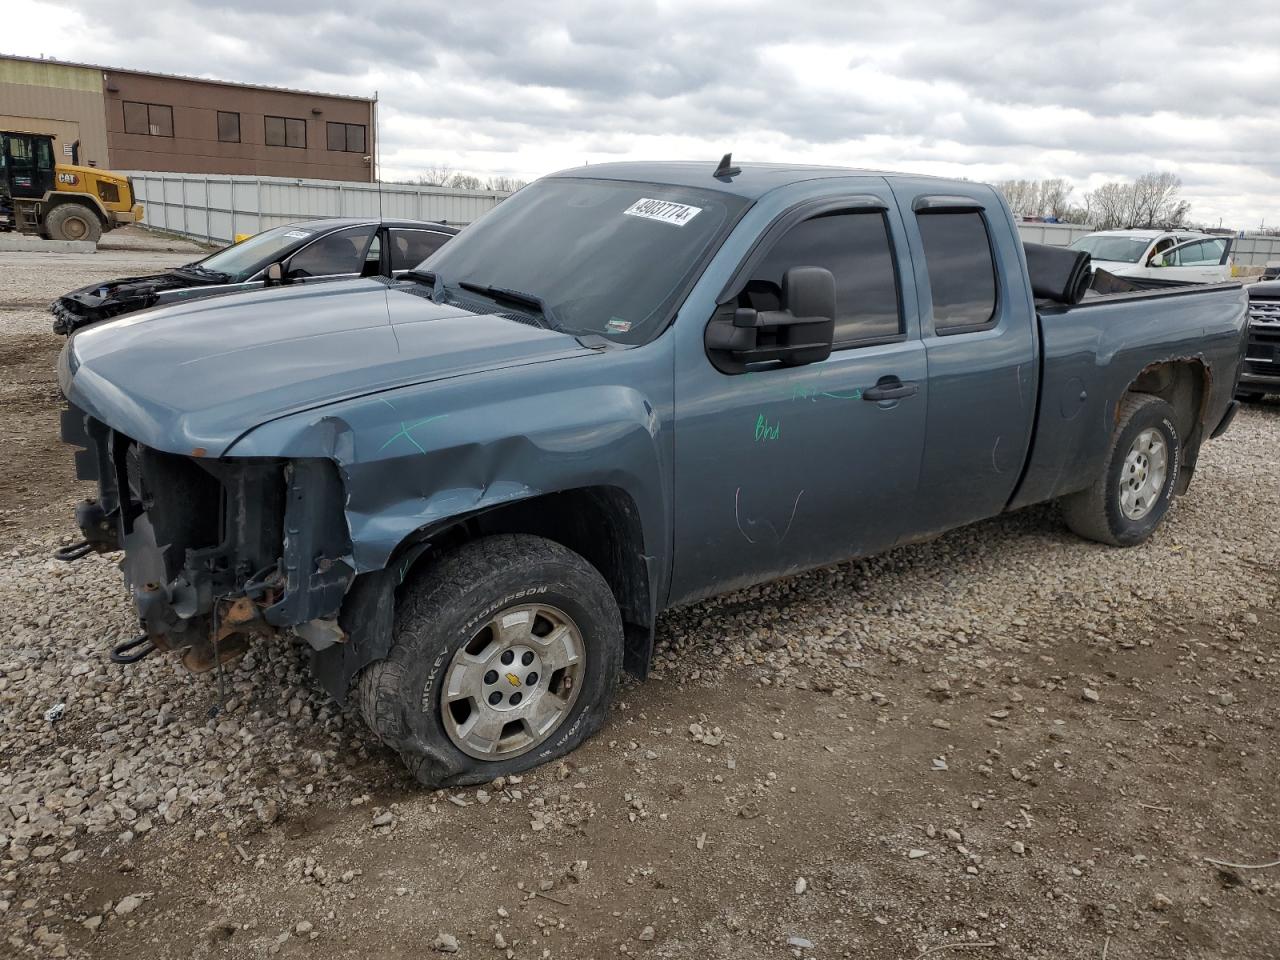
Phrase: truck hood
pixel 200 375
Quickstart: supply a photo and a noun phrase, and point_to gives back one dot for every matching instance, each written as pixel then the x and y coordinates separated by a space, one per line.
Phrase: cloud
pixel 980 88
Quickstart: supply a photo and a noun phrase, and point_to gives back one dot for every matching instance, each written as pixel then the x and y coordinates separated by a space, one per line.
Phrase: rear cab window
pixel 410 247
pixel 961 270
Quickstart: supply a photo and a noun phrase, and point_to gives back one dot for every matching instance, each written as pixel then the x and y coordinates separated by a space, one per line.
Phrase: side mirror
pixel 800 331
pixel 275 273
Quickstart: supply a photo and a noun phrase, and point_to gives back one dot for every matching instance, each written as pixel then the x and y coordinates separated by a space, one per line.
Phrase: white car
pixel 1159 254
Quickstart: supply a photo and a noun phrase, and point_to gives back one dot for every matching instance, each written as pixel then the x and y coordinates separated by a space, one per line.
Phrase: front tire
pixel 505 654
pixel 73 221
pixel 1133 492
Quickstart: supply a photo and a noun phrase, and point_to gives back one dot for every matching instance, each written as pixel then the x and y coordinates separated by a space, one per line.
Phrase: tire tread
pixel 1085 512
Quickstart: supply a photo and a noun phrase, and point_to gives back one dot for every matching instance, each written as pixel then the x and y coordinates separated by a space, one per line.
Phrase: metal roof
pixel 754 180
pixel 331 223
pixel 178 76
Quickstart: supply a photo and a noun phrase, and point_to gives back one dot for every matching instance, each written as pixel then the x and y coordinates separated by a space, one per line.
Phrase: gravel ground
pixel 1006 740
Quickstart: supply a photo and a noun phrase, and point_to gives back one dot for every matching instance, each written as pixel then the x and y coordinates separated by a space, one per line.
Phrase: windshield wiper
pixel 205 271
pixel 517 297
pixel 422 276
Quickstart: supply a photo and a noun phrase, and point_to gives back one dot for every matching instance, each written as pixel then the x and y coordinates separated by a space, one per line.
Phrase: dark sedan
pixel 307 252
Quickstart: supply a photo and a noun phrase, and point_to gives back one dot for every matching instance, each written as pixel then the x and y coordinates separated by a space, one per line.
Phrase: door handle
pixel 890 388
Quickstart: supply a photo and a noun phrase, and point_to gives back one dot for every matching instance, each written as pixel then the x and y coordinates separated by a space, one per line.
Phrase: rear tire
pixel 73 221
pixel 1133 492
pixel 505 654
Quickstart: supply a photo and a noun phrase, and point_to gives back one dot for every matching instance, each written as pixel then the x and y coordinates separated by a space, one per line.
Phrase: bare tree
pixel 1151 201
pixel 505 184
pixel 1037 198
pixel 437 175
pixel 1055 198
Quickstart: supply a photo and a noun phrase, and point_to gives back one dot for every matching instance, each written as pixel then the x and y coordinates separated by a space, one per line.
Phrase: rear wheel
pixel 1132 494
pixel 73 221
pixel 505 654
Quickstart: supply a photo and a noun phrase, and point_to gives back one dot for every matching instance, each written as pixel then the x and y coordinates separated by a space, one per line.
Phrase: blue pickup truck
pixel 471 490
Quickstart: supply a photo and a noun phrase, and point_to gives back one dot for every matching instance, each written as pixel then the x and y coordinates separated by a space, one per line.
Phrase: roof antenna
pixel 726 168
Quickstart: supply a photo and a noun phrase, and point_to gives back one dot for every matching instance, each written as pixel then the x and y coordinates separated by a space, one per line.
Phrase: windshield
pixel 242 260
pixel 602 256
pixel 1102 246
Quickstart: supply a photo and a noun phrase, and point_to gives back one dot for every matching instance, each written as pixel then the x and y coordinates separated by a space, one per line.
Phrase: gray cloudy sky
pixel 987 89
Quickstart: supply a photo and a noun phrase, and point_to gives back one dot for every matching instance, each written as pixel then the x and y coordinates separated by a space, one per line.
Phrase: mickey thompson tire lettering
pixel 443 608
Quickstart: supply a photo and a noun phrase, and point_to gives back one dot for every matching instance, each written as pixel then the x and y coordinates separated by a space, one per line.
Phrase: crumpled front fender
pixel 414 457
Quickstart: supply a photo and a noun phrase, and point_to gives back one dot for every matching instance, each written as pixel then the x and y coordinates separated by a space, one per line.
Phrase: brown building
pixel 131 120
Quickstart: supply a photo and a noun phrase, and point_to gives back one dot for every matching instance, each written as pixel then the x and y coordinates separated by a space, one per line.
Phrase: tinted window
pixel 135 118
pixel 341 252
pixel 228 127
pixel 154 119
pixel 607 257
pixel 346 136
pixel 962 276
pixel 855 248
pixel 285 132
pixel 410 247
pixel 160 119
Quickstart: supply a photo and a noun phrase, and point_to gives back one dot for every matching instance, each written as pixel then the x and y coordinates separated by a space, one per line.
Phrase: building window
pixel 228 127
pixel 285 132
pixel 348 137
pixel 149 119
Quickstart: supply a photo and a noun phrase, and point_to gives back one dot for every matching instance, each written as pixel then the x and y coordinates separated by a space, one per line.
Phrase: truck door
pixel 22 167
pixel 979 329
pixel 784 468
pixel 1197 261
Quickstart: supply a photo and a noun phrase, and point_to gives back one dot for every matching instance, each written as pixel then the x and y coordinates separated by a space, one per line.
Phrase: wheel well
pixel 1184 385
pixel 601 524
pixel 62 199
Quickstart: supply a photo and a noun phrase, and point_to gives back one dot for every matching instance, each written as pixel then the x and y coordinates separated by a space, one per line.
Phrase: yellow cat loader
pixel 57 201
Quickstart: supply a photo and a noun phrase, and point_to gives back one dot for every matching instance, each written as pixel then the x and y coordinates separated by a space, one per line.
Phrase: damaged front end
pixel 113 298
pixel 215 550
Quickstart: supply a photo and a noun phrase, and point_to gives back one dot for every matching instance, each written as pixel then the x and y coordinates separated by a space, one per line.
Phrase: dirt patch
pixel 36 469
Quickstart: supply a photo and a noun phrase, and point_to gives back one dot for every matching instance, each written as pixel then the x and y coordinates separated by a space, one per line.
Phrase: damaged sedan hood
pixel 198 376
pixel 112 298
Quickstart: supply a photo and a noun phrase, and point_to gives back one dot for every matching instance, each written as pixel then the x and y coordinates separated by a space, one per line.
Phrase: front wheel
pixel 505 654
pixel 1131 496
pixel 73 221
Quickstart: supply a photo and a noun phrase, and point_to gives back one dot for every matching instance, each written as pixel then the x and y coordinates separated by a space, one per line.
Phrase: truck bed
pixel 1092 351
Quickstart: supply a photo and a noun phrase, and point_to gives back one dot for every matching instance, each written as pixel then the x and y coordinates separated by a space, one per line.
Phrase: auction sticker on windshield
pixel 666 211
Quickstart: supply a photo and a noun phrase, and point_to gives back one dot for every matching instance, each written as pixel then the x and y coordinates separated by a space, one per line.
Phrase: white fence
pixel 1054 234
pixel 216 207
